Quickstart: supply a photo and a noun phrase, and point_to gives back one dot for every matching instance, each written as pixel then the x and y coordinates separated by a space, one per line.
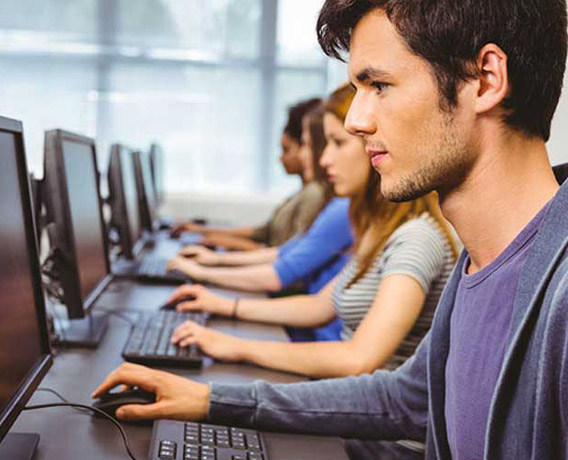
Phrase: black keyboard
pixel 149 340
pixel 153 267
pixel 156 268
pixel 197 441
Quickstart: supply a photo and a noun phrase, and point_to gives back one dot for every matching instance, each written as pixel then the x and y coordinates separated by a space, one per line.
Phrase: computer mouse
pixel 110 402
pixel 173 304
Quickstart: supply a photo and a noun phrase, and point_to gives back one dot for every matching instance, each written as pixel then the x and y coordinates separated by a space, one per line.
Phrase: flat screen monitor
pixel 124 199
pixel 74 206
pixel 35 187
pixel 146 194
pixel 24 345
pixel 157 161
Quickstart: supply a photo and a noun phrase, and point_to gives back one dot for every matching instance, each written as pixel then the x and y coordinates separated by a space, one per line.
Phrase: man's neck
pixel 509 184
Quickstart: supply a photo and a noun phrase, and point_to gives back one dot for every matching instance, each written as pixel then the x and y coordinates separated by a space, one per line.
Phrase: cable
pixel 85 408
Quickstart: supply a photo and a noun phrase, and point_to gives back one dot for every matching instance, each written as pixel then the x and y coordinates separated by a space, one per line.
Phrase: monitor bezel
pixel 148 216
pixel 120 215
pixel 157 167
pixel 57 200
pixel 18 401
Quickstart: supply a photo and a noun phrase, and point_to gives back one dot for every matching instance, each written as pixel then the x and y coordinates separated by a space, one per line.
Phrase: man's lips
pixel 377 156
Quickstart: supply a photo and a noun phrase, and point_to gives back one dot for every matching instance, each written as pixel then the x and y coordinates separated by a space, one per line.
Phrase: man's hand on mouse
pixel 220 346
pixel 201 255
pixel 176 398
pixel 203 300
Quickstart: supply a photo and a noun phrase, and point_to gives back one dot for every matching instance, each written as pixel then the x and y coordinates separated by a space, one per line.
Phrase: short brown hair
pixel 449 34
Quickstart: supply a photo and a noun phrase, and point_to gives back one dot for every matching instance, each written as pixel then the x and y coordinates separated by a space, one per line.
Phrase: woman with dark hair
pixel 291 218
pixel 307 262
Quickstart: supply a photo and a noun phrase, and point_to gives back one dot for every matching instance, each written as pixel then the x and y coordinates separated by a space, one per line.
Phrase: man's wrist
pixel 207 402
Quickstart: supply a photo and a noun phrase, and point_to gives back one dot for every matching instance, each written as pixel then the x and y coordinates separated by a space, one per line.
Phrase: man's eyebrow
pixel 370 73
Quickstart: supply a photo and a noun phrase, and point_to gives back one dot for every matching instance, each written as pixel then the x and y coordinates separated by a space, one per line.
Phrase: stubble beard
pixel 444 166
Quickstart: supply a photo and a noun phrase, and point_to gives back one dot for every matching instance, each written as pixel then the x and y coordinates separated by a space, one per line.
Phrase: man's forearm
pixel 385 405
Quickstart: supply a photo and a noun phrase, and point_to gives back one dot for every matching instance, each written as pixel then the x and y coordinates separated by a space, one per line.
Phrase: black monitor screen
pixel 149 191
pixel 85 214
pixel 130 194
pixel 20 339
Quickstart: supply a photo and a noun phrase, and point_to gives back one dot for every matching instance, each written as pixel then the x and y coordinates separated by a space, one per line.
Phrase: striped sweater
pixel 419 249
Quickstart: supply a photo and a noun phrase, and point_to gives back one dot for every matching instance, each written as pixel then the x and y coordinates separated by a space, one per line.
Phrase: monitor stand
pixel 80 333
pixel 19 446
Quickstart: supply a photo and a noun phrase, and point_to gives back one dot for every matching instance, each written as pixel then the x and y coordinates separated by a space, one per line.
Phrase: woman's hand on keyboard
pixel 215 344
pixel 203 300
pixel 177 398
pixel 201 255
pixel 191 268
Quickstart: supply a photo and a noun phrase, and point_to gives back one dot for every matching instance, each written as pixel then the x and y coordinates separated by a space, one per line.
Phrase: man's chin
pixel 401 192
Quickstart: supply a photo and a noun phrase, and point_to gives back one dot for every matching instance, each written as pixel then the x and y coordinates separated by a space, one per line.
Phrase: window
pixel 211 80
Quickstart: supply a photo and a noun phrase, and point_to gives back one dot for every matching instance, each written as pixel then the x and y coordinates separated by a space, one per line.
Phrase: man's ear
pixel 493 78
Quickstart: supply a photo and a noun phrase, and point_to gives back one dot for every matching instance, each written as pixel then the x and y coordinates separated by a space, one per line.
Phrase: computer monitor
pixel 24 345
pixel 146 193
pixel 77 230
pixel 35 188
pixel 158 171
pixel 124 199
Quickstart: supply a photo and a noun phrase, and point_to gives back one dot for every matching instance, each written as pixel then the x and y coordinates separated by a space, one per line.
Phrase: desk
pixel 67 434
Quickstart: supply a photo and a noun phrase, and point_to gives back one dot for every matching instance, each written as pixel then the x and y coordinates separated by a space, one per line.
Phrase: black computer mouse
pixel 173 304
pixel 110 402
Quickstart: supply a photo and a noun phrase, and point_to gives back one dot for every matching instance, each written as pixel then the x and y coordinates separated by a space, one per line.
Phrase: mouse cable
pixel 84 407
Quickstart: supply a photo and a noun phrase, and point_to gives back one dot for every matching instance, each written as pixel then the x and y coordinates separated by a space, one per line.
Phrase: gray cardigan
pixel 529 410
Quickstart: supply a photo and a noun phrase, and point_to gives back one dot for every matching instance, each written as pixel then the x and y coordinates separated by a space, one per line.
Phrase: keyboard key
pixel 212 442
pixel 253 442
pixel 167 450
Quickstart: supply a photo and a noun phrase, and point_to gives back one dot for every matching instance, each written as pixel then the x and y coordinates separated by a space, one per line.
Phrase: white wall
pixel 558 144
pixel 234 209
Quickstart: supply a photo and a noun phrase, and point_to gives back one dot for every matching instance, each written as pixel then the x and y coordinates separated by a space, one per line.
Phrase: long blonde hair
pixel 373 218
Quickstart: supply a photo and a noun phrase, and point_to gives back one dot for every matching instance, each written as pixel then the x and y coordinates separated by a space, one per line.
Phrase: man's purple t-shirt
pixel 479 329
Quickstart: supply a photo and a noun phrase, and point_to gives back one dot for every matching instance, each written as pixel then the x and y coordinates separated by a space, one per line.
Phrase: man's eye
pixel 379 86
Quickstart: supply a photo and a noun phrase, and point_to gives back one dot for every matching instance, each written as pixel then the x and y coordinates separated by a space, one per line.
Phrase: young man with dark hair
pixel 455 97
